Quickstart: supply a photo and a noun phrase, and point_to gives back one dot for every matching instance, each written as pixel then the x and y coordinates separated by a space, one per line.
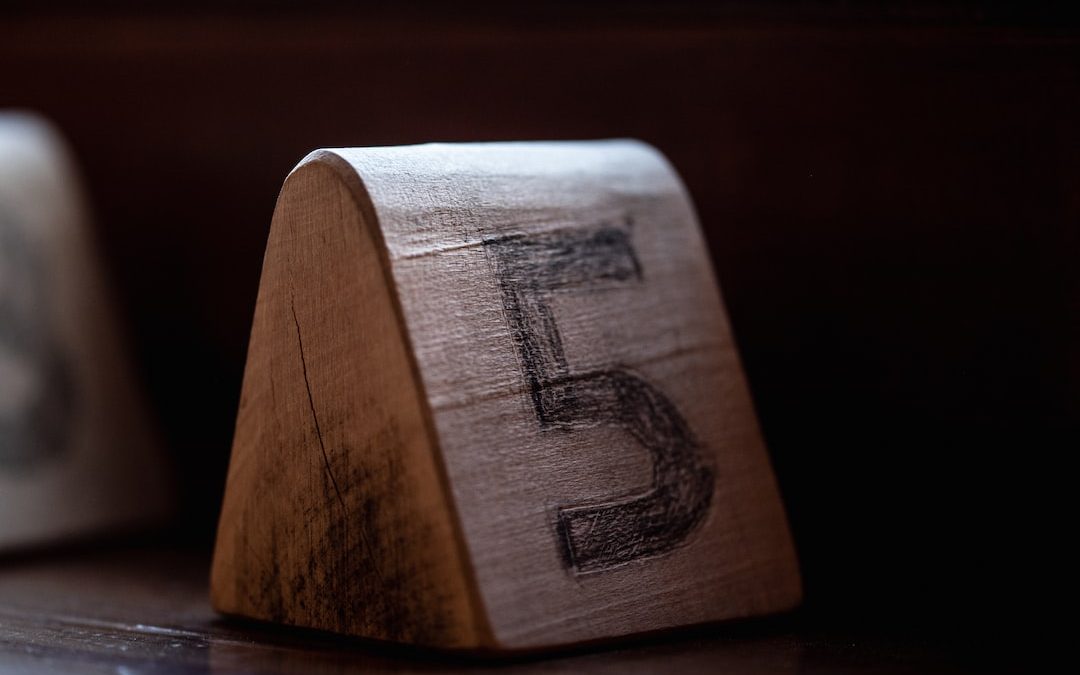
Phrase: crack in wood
pixel 339 496
pixel 314 415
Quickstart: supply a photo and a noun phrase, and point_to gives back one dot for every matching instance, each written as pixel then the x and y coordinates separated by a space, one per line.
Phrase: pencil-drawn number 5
pixel 598 536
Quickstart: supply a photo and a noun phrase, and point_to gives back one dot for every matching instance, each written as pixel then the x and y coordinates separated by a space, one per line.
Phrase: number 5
pixel 598 536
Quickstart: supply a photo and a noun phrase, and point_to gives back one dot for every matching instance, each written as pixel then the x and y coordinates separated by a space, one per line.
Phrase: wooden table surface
pixel 142 607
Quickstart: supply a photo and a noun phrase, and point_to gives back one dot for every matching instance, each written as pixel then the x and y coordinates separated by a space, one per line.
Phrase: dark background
pixel 891 194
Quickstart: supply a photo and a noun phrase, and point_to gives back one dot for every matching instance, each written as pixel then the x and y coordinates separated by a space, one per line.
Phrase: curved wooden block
pixel 492 401
pixel 77 450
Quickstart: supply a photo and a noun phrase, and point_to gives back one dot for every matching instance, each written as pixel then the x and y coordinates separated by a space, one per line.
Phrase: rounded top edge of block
pixel 453 157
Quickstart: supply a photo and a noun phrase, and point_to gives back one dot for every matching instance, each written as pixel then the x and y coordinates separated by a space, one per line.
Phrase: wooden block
pixel 77 453
pixel 492 401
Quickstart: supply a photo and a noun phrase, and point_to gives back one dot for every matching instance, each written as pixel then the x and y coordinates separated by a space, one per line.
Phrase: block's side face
pixel 594 420
pixel 334 514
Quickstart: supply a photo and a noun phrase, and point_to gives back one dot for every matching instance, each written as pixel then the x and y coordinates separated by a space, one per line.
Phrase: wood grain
pixel 141 607
pixel 335 517
pixel 499 376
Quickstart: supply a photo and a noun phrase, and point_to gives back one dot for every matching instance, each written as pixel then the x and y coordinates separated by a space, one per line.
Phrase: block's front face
pixel 594 422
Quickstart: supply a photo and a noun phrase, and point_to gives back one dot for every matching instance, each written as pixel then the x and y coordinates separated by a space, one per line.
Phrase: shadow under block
pixel 492 401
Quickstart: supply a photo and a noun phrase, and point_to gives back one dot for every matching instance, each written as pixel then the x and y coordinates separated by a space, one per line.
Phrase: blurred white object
pixel 77 454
